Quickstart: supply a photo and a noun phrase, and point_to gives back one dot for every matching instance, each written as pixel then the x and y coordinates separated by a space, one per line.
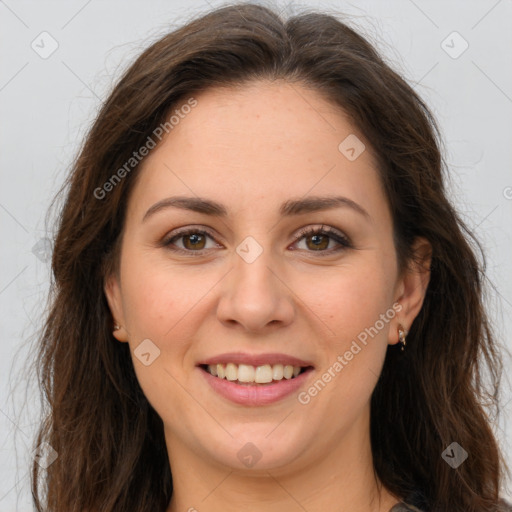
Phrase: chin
pixel 259 448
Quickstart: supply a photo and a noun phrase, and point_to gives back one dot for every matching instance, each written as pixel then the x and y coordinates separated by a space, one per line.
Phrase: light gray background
pixel 46 106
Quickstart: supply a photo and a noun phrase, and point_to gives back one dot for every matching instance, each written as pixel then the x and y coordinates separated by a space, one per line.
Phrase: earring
pixel 116 327
pixel 401 337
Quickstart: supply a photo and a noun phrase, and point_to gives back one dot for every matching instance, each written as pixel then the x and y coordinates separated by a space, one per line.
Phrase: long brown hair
pixel 109 440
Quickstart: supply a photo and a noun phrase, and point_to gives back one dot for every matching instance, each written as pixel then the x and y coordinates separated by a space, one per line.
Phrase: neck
pixel 338 478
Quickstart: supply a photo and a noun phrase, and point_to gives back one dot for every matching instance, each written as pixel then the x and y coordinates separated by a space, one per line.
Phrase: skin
pixel 251 149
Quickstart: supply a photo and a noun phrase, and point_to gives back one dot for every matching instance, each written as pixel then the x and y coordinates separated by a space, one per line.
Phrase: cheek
pixel 161 304
pixel 355 305
pixel 348 299
pixel 158 297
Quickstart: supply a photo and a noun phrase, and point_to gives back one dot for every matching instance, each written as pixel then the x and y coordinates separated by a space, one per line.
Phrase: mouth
pixel 254 380
pixel 249 375
pixel 252 386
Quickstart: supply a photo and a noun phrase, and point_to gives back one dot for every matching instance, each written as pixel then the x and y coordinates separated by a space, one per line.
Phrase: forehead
pixel 257 145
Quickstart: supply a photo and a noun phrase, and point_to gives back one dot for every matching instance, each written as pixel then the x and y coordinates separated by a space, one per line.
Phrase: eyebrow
pixel 288 208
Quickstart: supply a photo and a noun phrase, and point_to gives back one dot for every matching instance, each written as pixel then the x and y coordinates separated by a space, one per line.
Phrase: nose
pixel 255 296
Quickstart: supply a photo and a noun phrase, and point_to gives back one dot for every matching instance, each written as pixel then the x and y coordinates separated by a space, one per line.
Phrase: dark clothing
pixel 403 507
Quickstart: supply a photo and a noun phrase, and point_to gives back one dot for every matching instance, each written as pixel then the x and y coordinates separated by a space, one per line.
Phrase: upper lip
pixel 255 359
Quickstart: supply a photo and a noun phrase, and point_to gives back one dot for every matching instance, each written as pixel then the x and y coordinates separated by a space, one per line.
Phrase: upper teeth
pixel 259 374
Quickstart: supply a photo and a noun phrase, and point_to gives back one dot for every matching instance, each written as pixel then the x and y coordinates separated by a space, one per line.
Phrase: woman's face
pixel 254 287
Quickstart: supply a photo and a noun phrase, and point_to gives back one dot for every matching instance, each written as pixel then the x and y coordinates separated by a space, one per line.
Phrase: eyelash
pixel 342 240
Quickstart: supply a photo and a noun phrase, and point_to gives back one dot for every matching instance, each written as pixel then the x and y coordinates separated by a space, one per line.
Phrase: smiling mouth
pixel 248 375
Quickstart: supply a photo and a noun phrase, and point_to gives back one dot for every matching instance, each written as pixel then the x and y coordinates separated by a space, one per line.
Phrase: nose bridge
pixel 253 295
pixel 252 265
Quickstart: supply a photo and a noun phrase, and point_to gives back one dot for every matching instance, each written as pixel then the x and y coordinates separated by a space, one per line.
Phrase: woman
pixel 263 299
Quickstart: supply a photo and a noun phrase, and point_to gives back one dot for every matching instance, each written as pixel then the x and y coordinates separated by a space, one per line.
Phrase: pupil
pixel 194 239
pixel 318 241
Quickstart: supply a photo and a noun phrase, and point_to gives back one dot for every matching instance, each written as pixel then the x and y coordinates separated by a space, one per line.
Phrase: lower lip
pixel 257 394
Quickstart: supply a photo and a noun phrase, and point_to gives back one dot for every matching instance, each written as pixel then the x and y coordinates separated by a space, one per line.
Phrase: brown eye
pixel 318 240
pixel 194 241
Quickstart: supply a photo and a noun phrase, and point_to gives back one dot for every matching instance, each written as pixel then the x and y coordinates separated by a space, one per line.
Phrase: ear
pixel 412 287
pixel 112 291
